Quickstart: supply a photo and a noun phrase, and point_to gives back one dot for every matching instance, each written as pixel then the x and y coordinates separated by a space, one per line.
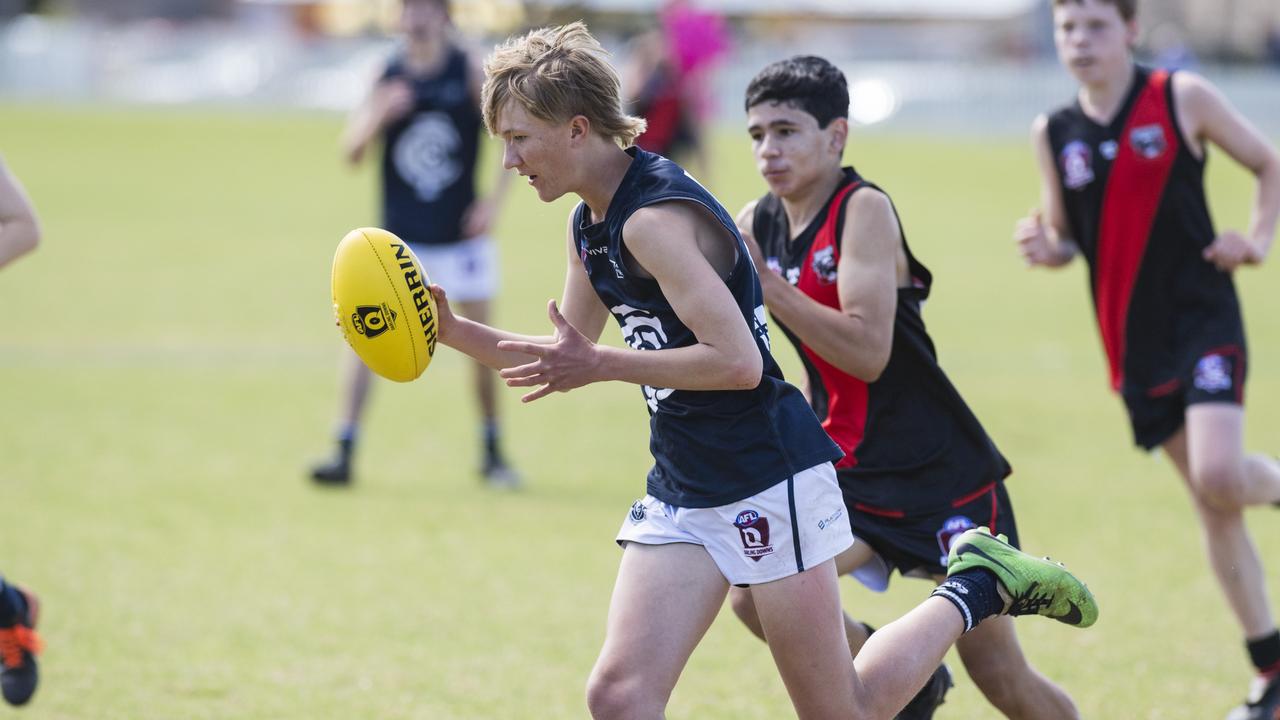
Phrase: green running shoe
pixel 1029 585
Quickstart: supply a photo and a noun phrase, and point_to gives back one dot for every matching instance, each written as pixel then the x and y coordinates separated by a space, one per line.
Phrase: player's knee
pixel 998 679
pixel 613 694
pixel 1219 484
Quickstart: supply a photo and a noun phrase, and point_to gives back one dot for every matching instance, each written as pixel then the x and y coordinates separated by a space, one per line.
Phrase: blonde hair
pixel 556 73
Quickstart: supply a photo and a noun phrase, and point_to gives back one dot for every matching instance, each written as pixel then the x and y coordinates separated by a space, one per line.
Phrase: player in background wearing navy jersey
pixel 918 468
pixel 1122 183
pixel 742 490
pixel 19 609
pixel 426 109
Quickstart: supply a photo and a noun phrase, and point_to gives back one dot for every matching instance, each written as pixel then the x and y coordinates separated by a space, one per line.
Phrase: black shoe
pixel 18 647
pixel 1263 702
pixel 498 474
pixel 336 471
pixel 930 696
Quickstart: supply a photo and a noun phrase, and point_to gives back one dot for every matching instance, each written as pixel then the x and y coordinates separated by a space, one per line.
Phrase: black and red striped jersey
pixel 1135 204
pixel 911 443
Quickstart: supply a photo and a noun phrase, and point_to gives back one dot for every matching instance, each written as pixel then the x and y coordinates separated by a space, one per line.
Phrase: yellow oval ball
pixel 384 308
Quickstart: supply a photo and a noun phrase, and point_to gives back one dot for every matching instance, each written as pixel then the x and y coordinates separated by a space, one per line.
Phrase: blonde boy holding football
pixel 742 491
pixel 1122 183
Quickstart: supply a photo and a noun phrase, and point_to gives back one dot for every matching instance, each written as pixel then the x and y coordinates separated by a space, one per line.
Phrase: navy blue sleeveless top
pixel 710 447
pixel 429 156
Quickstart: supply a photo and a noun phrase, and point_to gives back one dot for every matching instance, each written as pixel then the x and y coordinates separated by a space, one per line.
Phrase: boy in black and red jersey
pixel 1122 183
pixel 918 468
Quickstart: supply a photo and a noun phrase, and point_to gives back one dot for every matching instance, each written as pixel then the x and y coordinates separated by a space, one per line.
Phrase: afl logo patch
pixel 754 529
pixel 1213 373
pixel 1077 165
pixel 951 527
pixel 1148 141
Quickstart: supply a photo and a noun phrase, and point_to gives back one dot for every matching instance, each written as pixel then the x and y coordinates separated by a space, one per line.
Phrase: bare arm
pixel 666 241
pixel 1040 244
pixel 19 228
pixel 387 101
pixel 1205 115
pixel 858 337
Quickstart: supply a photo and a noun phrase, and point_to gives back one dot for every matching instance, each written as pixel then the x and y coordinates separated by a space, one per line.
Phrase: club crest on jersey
pixel 1077 165
pixel 642 330
pixel 638 513
pixel 1148 141
pixel 951 527
pixel 1213 373
pixel 754 529
pixel 824 264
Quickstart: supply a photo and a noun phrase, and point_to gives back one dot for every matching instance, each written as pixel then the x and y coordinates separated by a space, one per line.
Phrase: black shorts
pixel 918 544
pixel 1156 413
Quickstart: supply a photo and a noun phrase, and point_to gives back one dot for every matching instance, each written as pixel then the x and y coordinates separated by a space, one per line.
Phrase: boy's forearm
pixel 1266 207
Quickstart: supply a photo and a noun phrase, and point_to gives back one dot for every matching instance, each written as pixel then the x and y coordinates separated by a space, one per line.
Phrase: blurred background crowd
pixel 962 66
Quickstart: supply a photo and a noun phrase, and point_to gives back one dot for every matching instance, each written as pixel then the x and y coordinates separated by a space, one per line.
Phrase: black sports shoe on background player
pixel 18 647
pixel 336 471
pixel 923 705
pixel 1263 702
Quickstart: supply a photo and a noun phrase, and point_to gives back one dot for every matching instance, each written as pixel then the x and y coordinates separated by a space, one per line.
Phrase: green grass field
pixel 168 366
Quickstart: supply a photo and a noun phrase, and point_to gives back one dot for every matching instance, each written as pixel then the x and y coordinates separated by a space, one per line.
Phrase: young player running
pixel 918 468
pixel 742 491
pixel 1122 171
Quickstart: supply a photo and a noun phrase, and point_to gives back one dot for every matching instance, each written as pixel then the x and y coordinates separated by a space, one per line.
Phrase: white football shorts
pixel 467 269
pixel 790 527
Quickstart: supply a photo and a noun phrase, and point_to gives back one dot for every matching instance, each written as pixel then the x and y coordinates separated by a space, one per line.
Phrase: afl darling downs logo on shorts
pixel 1148 141
pixel 373 320
pixel 1213 373
pixel 638 513
pixel 952 527
pixel 754 530
pixel 1077 165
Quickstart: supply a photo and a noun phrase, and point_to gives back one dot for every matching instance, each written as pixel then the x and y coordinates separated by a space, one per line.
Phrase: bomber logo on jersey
pixel 754 529
pixel 951 527
pixel 373 320
pixel 1148 141
pixel 1213 373
pixel 824 264
pixel 1077 165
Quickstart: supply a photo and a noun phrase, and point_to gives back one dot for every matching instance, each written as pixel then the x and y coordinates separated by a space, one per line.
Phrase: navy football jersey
pixel 429 156
pixel 710 447
pixel 911 444
pixel 1135 203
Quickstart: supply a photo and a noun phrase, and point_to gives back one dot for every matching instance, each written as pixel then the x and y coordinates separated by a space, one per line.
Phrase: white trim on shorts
pixel 794 525
pixel 467 269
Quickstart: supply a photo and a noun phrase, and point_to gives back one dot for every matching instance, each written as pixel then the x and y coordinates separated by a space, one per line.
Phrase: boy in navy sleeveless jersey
pixel 742 490
pixel 1122 183
pixel 425 108
pixel 918 469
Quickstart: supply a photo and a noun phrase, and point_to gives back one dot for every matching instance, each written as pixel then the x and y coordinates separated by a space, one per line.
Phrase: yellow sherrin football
pixel 384 308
